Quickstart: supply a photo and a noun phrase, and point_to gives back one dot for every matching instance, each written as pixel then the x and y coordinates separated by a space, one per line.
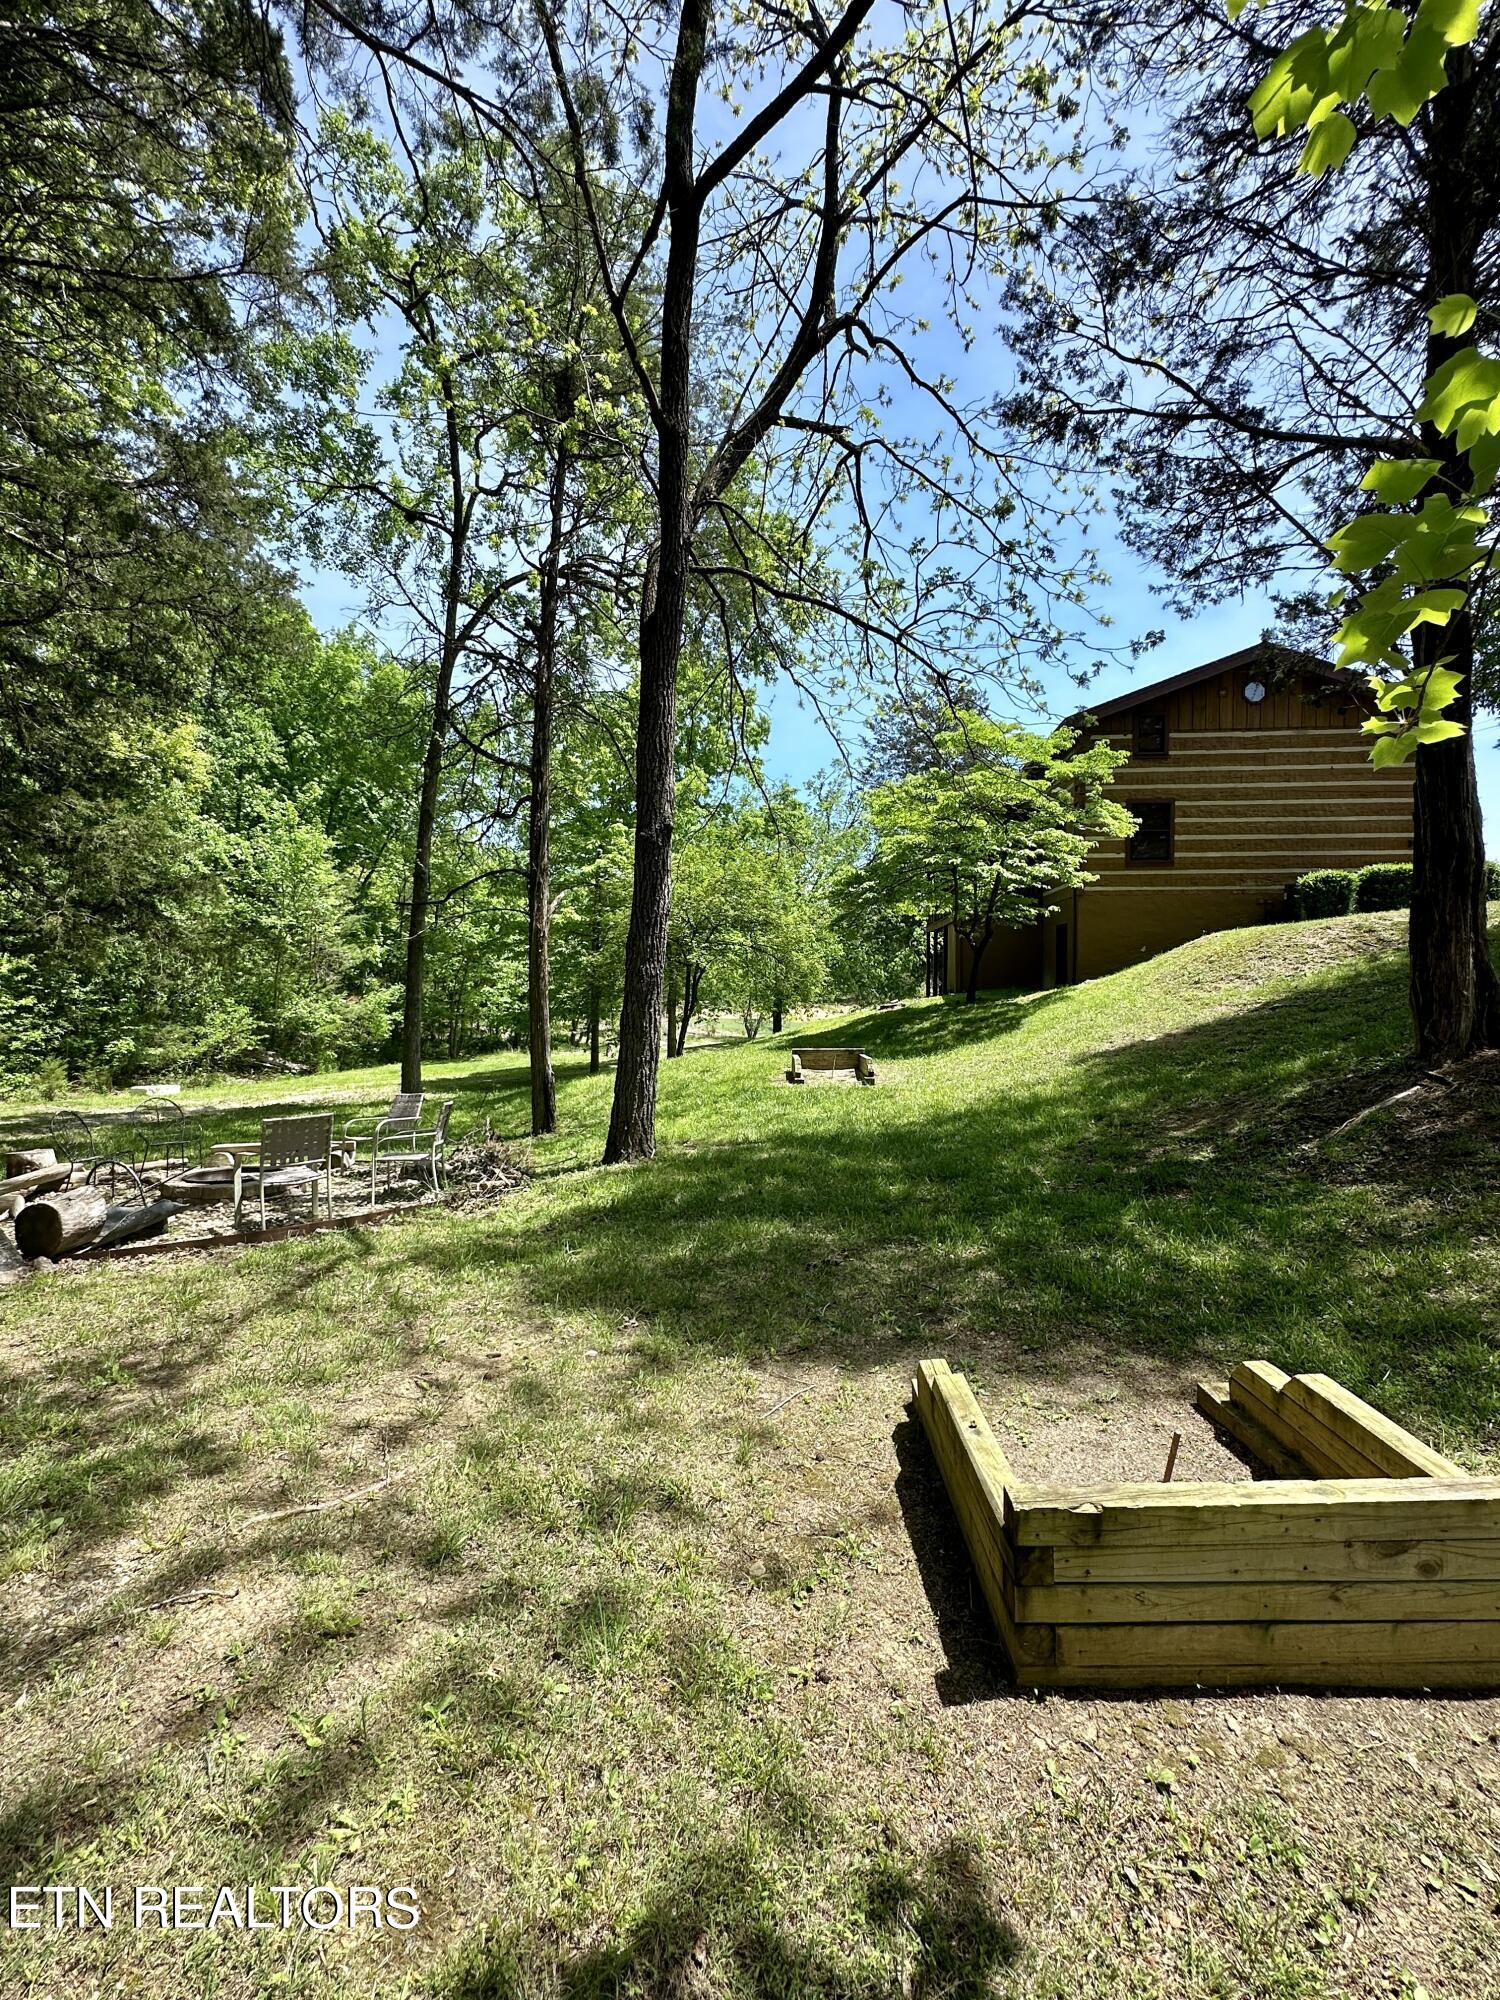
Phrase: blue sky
pixel 800 744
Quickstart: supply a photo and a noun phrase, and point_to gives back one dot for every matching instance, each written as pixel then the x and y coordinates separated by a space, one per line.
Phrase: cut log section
pixel 54 1224
pixel 29 1159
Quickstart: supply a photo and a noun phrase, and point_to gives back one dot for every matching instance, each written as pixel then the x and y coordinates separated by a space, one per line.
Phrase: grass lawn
pixel 653 1659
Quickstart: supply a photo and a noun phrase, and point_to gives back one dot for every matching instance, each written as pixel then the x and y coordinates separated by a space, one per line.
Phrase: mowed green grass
pixel 651 1660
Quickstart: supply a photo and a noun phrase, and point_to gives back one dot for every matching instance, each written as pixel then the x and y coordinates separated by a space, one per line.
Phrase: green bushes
pixel 1326 892
pixel 1386 886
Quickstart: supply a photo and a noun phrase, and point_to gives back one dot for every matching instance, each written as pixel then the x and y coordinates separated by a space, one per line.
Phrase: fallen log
pixel 125 1222
pixel 29 1159
pixel 39 1178
pixel 54 1224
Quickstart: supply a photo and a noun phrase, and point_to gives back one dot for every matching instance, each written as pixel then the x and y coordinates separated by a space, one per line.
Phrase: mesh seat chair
pixel 421 1146
pixel 294 1152
pixel 404 1116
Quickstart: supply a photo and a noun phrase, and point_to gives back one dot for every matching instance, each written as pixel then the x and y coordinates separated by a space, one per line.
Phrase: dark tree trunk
pixel 421 883
pixel 1455 995
pixel 691 982
pixel 976 953
pixel 539 854
pixel 775 1017
pixel 432 773
pixel 632 1122
pixel 593 1031
pixel 672 997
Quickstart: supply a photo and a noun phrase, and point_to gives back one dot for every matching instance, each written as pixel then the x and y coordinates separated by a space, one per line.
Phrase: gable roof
pixel 1275 661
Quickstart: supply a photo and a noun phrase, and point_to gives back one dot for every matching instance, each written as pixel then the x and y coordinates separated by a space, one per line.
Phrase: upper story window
pixel 1150 733
pixel 1152 840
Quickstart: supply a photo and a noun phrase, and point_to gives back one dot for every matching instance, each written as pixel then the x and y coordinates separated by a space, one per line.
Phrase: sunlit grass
pixel 625 1656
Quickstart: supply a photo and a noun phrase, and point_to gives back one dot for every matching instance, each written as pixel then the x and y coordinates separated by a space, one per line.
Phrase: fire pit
pixel 201 1185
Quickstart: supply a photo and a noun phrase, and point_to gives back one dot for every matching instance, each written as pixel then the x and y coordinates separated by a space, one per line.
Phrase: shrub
pixel 1326 892
pixel 49 1079
pixel 1492 881
pixel 1385 886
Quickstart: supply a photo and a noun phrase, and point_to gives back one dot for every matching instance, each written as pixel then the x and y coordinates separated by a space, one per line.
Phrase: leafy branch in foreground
pixel 1429 543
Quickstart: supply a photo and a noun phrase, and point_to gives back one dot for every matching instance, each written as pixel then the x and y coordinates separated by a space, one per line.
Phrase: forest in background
pixel 609 415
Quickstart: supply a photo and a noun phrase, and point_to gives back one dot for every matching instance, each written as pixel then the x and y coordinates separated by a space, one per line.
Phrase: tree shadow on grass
pixel 928 1027
pixel 719 1922
pixel 1152 1199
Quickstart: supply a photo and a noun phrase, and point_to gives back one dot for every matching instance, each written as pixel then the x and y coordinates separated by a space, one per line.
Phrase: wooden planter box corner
pixel 854 1061
pixel 1376 1565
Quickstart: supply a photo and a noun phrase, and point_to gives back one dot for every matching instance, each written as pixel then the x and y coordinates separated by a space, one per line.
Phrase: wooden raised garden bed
pixel 853 1061
pixel 1379 1566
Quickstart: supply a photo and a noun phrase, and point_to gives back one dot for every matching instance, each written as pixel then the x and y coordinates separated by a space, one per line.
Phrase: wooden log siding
pixel 1261 792
pixel 1256 801
pixel 1382 1578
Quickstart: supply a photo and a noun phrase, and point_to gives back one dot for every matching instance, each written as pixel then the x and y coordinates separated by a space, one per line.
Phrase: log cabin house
pixel 1243 774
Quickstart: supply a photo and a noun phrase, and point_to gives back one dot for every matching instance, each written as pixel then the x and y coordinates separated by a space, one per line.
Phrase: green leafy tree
pixel 873 144
pixel 1421 558
pixel 1249 349
pixel 996 827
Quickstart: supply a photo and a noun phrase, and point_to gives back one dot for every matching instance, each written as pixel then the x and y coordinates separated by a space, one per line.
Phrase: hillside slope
pixel 579 1563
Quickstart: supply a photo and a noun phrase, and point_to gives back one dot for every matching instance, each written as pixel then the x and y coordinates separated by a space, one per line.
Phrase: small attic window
pixel 1150 733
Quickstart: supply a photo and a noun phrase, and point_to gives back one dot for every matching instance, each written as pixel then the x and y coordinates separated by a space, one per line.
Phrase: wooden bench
pixel 1383 1571
pixel 834 1061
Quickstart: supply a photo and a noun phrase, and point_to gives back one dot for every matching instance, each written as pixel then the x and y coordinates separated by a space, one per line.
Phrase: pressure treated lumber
pixel 1398 1454
pixel 1331 1655
pixel 1244 1561
pixel 1214 1400
pixel 828 1059
pixel 1258 1389
pixel 1274 1510
pixel 1379 1577
pixel 976 1472
pixel 1228 1603
pixel 54 1224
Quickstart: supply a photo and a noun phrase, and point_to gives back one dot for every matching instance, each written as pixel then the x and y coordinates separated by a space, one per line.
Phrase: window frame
pixel 1139 749
pixel 1134 860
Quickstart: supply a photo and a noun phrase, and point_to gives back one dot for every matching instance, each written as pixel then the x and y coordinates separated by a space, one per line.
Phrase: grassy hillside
pixel 640 1638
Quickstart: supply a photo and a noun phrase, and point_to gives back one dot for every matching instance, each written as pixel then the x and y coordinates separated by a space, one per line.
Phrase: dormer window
pixel 1150 735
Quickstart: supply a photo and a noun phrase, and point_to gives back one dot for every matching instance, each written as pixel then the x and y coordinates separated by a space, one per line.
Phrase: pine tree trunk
pixel 432 773
pixel 1455 995
pixel 539 816
pixel 632 1123
pixel 421 889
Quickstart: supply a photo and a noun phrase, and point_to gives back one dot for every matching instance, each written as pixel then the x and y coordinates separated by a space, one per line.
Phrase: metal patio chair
pixel 294 1153
pixel 418 1147
pixel 404 1116
pixel 163 1132
pixel 95 1163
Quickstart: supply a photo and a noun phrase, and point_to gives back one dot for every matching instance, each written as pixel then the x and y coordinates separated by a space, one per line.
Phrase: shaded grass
pixel 655 1667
